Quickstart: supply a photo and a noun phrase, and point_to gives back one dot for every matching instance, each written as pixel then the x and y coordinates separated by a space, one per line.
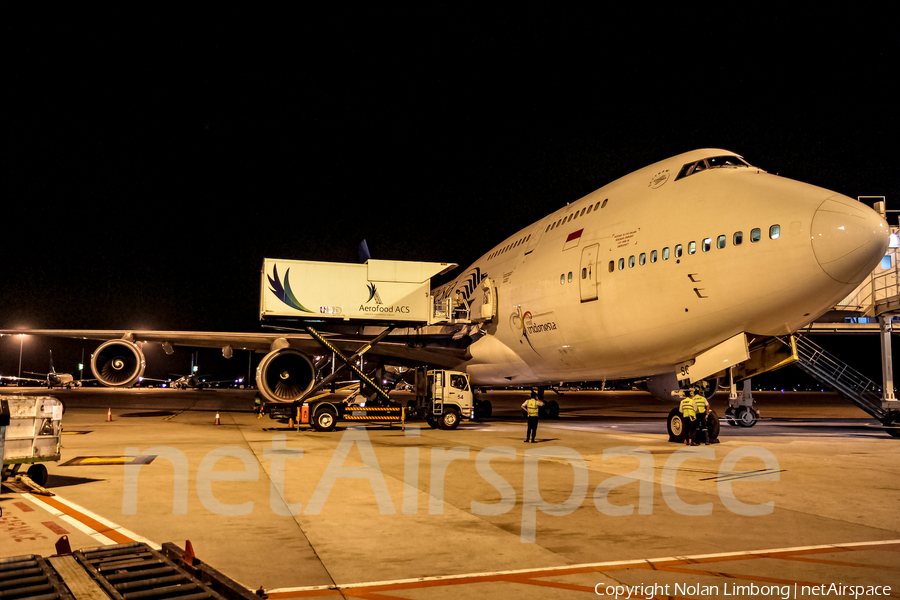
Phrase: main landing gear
pixel 741 411
pixel 550 409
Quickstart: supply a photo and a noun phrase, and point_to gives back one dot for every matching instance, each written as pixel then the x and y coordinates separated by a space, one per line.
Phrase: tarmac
pixel 602 504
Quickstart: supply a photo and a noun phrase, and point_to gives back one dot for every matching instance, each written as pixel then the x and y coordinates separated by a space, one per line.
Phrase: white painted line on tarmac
pixel 79 517
pixel 614 563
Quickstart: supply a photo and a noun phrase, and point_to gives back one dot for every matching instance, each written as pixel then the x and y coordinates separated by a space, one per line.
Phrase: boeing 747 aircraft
pixel 673 273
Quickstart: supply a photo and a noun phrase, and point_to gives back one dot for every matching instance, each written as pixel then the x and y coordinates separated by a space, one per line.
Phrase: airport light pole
pixel 21 345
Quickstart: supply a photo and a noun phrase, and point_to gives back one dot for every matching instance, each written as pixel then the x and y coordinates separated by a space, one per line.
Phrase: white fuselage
pixel 597 289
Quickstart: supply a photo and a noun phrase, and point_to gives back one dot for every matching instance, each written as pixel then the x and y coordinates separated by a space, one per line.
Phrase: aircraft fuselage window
pixel 721 241
pixel 612 266
pixel 678 251
pixel 570 276
pixel 653 256
pixel 692 247
pixel 707 244
pixel 603 205
pixel 582 212
pixel 755 235
pixel 738 238
pixel 666 253
pixel 621 263
pixel 590 208
pixel 631 261
pixel 774 232
pixel 562 279
pixel 643 258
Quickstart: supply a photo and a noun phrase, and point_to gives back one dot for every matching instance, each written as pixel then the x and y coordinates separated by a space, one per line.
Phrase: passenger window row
pixel 571 217
pixel 705 246
pixel 509 246
pixel 584 211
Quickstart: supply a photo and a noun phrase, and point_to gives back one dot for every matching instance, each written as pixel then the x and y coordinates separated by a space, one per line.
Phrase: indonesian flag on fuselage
pixel 573 239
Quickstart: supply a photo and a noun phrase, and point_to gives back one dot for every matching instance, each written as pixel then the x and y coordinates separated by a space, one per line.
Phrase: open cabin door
pixel 588 281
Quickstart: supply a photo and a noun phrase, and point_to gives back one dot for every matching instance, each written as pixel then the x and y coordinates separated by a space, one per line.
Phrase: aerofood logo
pixel 529 325
pixel 373 293
pixel 284 292
pixel 400 309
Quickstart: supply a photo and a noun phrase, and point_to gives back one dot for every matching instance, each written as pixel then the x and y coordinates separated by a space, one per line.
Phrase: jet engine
pixel 284 375
pixel 662 386
pixel 118 363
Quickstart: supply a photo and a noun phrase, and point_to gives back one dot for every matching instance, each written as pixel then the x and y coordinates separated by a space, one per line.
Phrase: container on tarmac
pixel 379 290
pixel 32 436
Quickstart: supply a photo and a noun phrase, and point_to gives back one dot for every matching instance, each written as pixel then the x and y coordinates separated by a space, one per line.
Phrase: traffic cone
pixel 217 419
pixel 108 415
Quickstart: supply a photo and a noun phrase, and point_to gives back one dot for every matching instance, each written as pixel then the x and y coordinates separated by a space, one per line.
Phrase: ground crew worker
pixel 701 408
pixel 688 418
pixel 532 409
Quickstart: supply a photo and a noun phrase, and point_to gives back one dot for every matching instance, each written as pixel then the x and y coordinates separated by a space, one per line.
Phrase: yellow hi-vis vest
pixel 699 404
pixel 687 408
pixel 531 407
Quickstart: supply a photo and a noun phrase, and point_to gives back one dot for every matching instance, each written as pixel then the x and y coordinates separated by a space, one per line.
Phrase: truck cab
pixel 445 396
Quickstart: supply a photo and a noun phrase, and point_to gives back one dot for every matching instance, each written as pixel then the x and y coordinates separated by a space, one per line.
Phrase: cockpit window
pixel 715 162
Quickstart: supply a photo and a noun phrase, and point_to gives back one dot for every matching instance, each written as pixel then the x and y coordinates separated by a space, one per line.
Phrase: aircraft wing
pixel 429 349
pixel 14 378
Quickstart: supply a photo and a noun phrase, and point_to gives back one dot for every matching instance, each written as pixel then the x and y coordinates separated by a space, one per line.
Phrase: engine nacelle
pixel 662 386
pixel 118 363
pixel 284 375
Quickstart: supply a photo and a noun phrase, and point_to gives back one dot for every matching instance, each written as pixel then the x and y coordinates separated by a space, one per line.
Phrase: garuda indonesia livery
pixel 674 273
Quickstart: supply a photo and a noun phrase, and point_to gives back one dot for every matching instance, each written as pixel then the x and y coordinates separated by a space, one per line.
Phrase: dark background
pixel 150 164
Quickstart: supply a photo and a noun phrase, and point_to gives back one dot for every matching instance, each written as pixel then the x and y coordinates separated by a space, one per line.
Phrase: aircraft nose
pixel 848 238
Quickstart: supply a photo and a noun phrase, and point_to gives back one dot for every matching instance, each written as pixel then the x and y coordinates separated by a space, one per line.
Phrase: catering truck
pixel 443 399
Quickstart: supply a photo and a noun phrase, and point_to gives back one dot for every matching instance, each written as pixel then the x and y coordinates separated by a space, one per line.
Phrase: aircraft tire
pixel 746 416
pixel 675 426
pixel 712 423
pixel 483 409
pixel 552 409
pixel 450 418
pixel 38 474
pixel 324 419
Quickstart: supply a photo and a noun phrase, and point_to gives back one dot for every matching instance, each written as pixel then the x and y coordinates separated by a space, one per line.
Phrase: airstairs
pixel 871 306
pixel 844 379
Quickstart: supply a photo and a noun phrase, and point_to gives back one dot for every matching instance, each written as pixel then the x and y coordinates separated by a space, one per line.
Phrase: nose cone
pixel 848 238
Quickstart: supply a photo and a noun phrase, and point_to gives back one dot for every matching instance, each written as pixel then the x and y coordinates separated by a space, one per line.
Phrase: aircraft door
pixel 588 274
pixel 534 238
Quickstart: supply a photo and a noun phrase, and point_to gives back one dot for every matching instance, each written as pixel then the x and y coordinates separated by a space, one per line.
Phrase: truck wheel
pixel 450 418
pixel 324 419
pixel 432 422
pixel 38 474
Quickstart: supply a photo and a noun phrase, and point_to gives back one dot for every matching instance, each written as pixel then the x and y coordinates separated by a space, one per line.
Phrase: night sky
pixel 149 165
